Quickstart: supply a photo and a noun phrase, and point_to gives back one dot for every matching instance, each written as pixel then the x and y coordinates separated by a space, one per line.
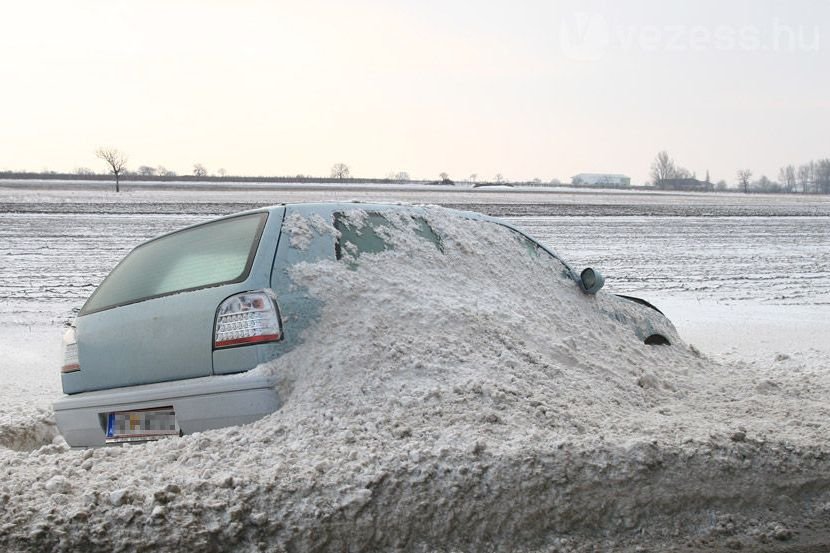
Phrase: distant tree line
pixel 171 176
pixel 812 177
pixel 116 163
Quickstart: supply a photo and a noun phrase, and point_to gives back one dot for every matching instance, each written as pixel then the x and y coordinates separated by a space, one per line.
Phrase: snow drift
pixel 466 398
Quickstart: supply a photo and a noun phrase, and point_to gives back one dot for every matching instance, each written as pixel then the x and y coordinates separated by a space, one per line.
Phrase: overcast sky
pixel 528 89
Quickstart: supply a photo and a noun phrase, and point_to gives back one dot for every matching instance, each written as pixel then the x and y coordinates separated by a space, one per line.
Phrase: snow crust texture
pixel 463 396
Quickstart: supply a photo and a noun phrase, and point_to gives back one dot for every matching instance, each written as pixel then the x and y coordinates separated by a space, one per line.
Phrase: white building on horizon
pixel 609 180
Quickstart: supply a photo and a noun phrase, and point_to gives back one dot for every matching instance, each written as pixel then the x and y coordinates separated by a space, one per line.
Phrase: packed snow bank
pixel 27 429
pixel 30 381
pixel 469 397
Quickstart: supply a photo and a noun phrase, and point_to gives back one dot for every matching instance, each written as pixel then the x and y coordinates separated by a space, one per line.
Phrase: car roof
pixel 334 206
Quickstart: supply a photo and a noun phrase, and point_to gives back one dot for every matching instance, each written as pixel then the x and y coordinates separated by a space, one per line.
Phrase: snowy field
pixel 464 443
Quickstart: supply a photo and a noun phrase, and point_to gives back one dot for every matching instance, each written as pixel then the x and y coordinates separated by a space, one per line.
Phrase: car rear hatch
pixel 152 319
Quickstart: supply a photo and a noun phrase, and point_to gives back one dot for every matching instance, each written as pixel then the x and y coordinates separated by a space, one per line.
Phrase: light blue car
pixel 163 345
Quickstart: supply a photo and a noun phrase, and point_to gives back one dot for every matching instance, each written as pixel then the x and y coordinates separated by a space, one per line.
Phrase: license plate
pixel 141 425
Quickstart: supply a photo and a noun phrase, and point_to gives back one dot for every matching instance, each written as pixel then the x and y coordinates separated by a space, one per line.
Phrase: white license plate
pixel 141 425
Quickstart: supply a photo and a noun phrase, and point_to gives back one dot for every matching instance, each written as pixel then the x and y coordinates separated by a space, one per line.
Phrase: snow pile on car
pixel 458 395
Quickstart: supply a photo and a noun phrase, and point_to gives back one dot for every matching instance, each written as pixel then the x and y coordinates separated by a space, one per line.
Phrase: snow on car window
pixel 431 235
pixel 302 229
pixel 372 232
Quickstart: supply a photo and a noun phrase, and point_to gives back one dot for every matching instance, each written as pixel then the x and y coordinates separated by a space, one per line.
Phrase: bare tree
pixel 117 162
pixel 162 171
pixel 444 176
pixel 84 171
pixel 744 176
pixel 401 176
pixel 339 171
pixel 199 170
pixel 764 184
pixel 499 178
pixel 222 173
pixel 805 176
pixel 786 176
pixel 822 176
pixel 663 168
pixel 146 171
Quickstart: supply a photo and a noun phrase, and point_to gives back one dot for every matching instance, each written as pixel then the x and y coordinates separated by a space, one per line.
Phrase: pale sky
pixel 528 89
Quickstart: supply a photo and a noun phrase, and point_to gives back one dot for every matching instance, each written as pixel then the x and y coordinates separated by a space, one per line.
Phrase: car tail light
pixel 70 352
pixel 248 318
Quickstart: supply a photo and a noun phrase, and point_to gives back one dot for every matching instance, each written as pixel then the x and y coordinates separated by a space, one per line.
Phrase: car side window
pixel 370 232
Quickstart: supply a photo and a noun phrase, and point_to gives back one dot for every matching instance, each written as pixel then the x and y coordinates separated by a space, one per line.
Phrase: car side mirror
pixel 591 280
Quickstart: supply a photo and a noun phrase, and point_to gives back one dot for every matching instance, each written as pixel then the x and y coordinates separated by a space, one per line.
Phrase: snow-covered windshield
pixel 207 255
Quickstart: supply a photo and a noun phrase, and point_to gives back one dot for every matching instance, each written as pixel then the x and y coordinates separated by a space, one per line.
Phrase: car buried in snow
pixel 166 343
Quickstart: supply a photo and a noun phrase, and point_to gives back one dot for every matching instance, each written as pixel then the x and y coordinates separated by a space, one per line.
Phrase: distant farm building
pixel 688 185
pixel 603 180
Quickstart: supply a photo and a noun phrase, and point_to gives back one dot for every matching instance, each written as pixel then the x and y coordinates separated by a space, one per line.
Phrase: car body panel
pixel 199 404
pixel 156 340
pixel 164 338
pixel 640 301
pixel 644 320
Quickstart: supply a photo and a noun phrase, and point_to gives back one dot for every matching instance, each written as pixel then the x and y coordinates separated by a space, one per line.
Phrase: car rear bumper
pixel 199 403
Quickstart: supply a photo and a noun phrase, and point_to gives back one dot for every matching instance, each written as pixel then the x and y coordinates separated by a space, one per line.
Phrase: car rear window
pixel 215 253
